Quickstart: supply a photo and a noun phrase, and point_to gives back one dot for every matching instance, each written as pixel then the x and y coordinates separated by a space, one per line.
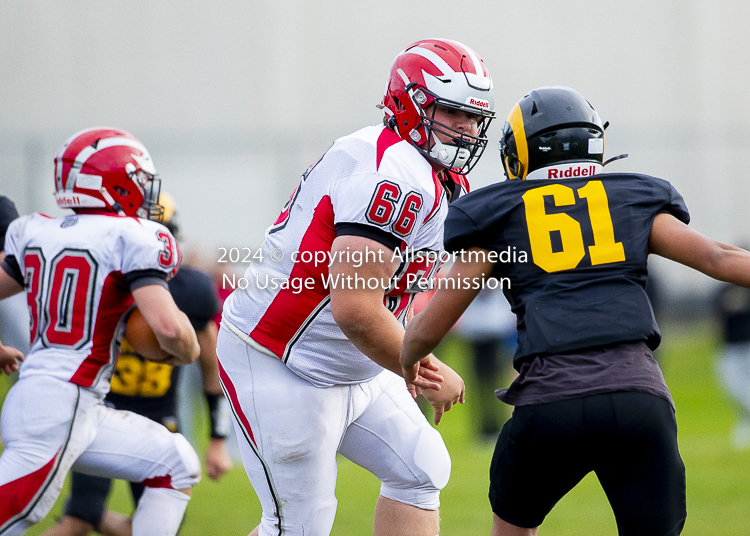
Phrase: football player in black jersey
pixel 150 389
pixel 10 357
pixel 570 246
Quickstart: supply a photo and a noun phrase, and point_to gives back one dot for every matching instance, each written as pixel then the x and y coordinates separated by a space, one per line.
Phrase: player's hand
pixel 218 460
pixel 9 359
pixel 452 391
pixel 422 375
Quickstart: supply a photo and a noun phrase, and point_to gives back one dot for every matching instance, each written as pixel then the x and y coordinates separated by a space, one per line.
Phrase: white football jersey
pixel 74 271
pixel 372 178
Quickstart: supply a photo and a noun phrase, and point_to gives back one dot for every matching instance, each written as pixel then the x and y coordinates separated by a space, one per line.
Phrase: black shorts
pixel 629 439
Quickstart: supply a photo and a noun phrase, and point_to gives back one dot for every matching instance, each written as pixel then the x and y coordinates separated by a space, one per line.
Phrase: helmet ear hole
pixel 512 164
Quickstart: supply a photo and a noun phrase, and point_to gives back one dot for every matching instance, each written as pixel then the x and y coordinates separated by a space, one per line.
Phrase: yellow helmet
pixel 169 212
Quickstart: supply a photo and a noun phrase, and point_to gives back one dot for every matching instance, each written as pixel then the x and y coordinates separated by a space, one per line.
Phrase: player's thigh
pixel 391 438
pixel 46 423
pixel 644 477
pixel 288 431
pixel 131 447
pixel 540 455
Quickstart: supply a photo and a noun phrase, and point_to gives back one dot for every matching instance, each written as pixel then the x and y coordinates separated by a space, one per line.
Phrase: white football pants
pixel 50 426
pixel 290 431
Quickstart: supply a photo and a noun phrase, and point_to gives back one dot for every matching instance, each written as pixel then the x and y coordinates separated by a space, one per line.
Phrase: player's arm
pixel 675 240
pixel 428 328
pixel 218 460
pixel 372 328
pixel 359 311
pixel 171 326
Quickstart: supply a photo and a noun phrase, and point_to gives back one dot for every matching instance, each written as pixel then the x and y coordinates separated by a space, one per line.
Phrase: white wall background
pixel 236 98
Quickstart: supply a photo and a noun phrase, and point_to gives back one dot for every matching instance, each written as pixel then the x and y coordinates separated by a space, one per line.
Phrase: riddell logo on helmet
pixel 70 201
pixel 479 103
pixel 577 171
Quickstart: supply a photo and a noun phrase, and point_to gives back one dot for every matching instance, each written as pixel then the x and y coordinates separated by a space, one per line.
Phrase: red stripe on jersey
pixel 386 139
pixel 235 403
pixel 290 309
pixel 159 482
pixel 439 191
pixel 17 494
pixel 114 302
pixel 462 181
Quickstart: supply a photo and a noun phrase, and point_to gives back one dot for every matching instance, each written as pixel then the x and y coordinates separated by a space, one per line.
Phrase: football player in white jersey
pixel 309 347
pixel 81 273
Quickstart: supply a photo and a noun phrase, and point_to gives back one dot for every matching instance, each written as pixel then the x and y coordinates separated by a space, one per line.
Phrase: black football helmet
pixel 551 125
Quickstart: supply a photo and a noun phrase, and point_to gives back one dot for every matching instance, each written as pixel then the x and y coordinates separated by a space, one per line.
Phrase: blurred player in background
pixel 589 395
pixel 733 364
pixel 150 389
pixel 489 327
pixel 14 325
pixel 81 273
pixel 314 371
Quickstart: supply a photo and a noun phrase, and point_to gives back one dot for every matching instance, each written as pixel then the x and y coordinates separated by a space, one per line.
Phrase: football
pixel 142 338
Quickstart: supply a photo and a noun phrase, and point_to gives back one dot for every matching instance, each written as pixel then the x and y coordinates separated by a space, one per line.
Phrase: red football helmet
pixel 447 73
pixel 108 169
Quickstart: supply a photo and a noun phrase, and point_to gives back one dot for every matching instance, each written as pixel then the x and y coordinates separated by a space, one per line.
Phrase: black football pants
pixel 629 439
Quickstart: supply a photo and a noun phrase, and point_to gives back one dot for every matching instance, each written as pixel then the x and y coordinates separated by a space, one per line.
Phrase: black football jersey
pixel 8 213
pixel 575 254
pixel 150 388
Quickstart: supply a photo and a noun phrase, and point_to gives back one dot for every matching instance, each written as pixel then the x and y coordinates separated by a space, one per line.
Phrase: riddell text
pixel 571 172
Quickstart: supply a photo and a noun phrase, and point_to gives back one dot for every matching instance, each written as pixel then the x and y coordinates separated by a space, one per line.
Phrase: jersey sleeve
pixel 676 205
pixel 149 248
pixel 13 236
pixel 461 231
pixel 390 208
pixel 13 243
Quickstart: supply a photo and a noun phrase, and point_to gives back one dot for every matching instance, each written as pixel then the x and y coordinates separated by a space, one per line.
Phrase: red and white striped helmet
pixel 109 169
pixel 447 73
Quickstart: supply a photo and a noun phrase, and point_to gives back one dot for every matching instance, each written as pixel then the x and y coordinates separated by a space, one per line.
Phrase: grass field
pixel 718 478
